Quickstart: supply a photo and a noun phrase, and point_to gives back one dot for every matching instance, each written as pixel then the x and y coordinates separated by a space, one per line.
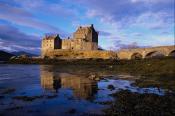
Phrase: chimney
pixel 92 25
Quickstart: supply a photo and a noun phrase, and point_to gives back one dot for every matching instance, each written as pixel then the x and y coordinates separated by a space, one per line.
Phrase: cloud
pixel 151 1
pixel 132 45
pixel 150 20
pixel 103 33
pixel 20 16
pixel 118 45
pixel 132 20
pixel 11 47
pixel 56 8
pixel 125 12
pixel 137 34
pixel 13 39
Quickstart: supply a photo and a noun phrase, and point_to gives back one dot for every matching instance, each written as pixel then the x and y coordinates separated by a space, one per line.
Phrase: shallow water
pixel 57 91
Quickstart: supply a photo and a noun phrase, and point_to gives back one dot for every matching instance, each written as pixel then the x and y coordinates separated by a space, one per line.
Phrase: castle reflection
pixel 53 80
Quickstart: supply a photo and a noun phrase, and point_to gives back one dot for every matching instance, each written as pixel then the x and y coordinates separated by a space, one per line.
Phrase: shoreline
pixel 154 66
pixel 151 72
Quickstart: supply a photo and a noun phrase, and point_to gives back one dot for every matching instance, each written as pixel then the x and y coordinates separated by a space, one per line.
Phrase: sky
pixel 120 23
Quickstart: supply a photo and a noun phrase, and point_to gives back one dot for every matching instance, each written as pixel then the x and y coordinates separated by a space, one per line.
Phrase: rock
pixel 92 77
pixel 110 66
pixel 97 79
pixel 72 111
pixel 1 97
pixel 111 87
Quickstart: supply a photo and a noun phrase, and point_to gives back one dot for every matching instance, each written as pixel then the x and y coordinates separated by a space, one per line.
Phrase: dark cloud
pixel 119 45
pixel 13 39
pixel 128 46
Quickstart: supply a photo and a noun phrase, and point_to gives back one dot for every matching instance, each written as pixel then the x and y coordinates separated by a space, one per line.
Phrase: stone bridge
pixel 140 53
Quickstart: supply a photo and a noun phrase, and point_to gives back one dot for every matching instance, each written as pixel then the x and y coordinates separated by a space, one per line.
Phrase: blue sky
pixel 121 23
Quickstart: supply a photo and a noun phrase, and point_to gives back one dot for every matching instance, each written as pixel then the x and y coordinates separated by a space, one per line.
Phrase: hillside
pixel 5 55
pixel 22 53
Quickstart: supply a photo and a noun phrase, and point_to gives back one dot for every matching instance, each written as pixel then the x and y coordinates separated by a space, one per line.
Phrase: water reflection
pixel 53 80
pixel 62 86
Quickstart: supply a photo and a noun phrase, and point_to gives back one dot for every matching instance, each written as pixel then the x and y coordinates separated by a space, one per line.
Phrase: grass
pixel 134 104
pixel 165 82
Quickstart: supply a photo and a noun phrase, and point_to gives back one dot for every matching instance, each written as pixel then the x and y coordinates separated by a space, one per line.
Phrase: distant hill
pixel 5 55
pixel 22 53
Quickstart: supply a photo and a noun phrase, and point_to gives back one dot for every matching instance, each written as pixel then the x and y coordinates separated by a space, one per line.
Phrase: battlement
pixel 51 36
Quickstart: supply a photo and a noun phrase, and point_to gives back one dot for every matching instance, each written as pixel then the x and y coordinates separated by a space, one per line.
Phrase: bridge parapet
pixel 145 52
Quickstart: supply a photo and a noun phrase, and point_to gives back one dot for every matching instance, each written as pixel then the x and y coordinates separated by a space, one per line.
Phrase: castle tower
pixel 50 42
pixel 86 38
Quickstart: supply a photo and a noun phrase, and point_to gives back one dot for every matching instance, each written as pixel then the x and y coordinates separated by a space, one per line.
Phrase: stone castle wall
pixel 85 38
pixel 68 54
pixel 66 44
pixel 84 44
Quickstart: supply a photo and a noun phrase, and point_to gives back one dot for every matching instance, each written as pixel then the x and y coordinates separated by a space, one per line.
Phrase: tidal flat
pixel 137 87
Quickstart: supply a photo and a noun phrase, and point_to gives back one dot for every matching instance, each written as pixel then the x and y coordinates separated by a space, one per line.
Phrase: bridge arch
pixel 136 56
pixel 172 53
pixel 154 54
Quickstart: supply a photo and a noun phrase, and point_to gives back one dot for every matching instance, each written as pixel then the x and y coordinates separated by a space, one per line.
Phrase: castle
pixel 84 39
pixel 84 44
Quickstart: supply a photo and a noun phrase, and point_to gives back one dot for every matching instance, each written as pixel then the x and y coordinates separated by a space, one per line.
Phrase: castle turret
pixel 50 42
pixel 86 38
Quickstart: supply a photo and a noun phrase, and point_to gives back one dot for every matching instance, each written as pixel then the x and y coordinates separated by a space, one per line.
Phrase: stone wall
pixel 78 44
pixel 69 54
pixel 66 44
